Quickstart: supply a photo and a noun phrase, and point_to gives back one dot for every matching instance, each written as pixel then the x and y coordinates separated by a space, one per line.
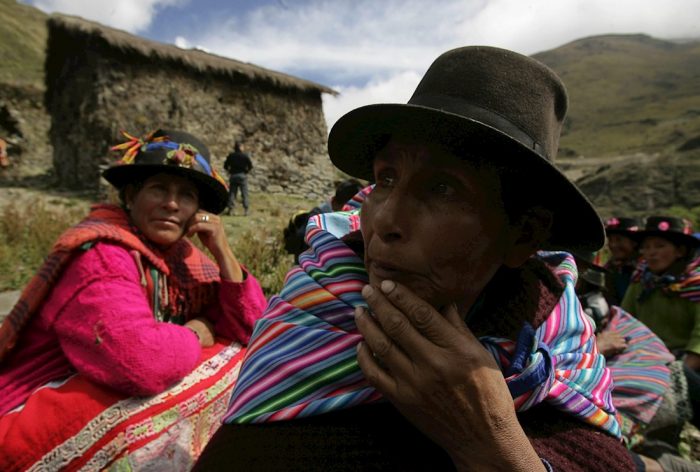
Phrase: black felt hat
pixel 676 230
pixel 623 225
pixel 489 102
pixel 589 268
pixel 175 152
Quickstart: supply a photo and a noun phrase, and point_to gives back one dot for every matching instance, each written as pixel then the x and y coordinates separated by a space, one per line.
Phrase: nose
pixel 171 201
pixel 391 218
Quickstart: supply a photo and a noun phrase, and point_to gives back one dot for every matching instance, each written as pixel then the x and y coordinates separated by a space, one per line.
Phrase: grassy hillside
pixel 23 32
pixel 628 93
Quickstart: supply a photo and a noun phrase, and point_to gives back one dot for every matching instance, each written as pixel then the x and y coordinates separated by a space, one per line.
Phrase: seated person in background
pixel 650 389
pixel 624 254
pixel 420 333
pixel 126 306
pixel 295 231
pixel 665 289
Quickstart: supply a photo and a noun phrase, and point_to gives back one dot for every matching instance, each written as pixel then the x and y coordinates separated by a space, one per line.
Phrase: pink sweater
pixel 97 321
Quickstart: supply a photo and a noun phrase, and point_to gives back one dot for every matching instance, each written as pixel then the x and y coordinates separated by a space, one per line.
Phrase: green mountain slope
pixel 22 44
pixel 628 94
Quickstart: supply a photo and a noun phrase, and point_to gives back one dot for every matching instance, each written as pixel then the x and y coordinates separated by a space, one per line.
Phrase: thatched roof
pixel 197 60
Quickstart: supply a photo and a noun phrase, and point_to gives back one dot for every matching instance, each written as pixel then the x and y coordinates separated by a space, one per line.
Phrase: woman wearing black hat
pixel 624 254
pixel 421 333
pixel 126 306
pixel 665 291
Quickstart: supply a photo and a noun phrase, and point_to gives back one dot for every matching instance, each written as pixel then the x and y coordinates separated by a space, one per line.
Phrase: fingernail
pixel 387 286
pixel 358 347
pixel 367 291
pixel 359 311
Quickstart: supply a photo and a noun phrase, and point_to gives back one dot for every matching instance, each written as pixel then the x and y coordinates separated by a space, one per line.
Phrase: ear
pixel 528 234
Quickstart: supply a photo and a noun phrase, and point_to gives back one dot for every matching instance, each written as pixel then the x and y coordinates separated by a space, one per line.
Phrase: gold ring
pixel 205 218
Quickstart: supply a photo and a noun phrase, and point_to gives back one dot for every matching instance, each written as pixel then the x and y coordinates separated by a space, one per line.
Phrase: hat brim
pixel 213 195
pixel 357 136
pixel 686 239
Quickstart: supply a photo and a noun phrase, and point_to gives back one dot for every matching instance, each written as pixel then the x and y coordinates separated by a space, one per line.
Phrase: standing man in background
pixel 238 165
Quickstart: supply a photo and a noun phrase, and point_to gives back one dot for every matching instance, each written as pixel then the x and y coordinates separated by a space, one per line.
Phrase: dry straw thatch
pixel 65 27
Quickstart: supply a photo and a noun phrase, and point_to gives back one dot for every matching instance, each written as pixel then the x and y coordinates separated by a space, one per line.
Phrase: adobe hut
pixel 101 80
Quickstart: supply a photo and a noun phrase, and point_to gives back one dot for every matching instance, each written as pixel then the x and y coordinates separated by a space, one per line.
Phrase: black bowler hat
pixel 485 101
pixel 589 268
pixel 174 152
pixel 677 230
pixel 624 225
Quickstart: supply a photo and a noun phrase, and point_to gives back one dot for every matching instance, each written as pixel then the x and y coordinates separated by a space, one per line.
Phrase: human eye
pixel 156 188
pixel 191 196
pixel 442 188
pixel 385 178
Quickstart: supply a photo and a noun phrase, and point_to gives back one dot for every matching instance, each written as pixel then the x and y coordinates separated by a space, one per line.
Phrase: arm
pixel 438 375
pixel 240 305
pixel 241 300
pixel 692 357
pixel 106 328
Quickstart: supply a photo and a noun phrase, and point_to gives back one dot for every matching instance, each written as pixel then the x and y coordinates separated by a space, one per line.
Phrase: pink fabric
pixel 97 321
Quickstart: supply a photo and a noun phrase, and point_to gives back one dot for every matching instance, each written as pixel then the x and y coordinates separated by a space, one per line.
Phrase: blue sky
pixel 374 51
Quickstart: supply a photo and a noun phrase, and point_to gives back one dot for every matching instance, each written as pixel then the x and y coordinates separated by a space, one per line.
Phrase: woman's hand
pixel 610 343
pixel 210 230
pixel 435 371
pixel 203 329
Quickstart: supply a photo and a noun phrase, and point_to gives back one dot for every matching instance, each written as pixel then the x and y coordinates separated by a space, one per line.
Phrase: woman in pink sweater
pixel 126 306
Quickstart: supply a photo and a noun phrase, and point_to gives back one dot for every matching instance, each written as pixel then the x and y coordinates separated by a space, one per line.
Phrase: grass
pixel 23 31
pixel 27 236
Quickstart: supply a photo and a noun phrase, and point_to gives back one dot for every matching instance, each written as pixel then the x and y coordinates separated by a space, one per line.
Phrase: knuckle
pixel 394 325
pixel 421 315
pixel 382 348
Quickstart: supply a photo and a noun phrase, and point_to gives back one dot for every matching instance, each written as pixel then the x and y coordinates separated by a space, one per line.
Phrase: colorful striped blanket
pixel 641 375
pixel 301 360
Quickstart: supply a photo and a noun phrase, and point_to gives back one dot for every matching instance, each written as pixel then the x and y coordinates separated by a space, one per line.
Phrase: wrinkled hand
pixel 204 330
pixel 440 377
pixel 610 343
pixel 210 230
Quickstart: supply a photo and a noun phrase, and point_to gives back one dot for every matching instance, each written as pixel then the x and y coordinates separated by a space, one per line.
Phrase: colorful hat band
pixel 183 155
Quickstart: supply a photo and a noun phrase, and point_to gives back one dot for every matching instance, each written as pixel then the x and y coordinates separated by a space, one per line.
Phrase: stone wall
pixel 284 130
pixel 24 123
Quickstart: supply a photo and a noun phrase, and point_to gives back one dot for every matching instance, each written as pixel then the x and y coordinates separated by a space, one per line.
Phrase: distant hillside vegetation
pixel 628 94
pixel 22 44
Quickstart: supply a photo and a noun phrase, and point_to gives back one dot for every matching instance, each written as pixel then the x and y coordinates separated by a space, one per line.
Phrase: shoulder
pixel 101 259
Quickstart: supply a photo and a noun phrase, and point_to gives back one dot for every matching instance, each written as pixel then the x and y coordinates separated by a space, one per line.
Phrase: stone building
pixel 101 80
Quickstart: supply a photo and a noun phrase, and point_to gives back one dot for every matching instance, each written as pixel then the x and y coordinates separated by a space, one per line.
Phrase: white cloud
pixel 395 89
pixel 129 15
pixel 182 43
pixel 369 46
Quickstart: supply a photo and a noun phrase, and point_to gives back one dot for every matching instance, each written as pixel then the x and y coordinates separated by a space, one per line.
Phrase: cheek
pixel 462 266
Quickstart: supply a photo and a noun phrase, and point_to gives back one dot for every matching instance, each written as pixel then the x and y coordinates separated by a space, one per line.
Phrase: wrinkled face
pixel 660 253
pixel 433 223
pixel 621 247
pixel 162 208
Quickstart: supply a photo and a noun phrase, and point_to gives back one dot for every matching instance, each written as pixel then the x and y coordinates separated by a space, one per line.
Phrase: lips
pixel 168 221
pixel 384 269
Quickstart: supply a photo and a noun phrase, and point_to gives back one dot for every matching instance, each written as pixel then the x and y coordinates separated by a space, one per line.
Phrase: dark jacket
pixel 238 163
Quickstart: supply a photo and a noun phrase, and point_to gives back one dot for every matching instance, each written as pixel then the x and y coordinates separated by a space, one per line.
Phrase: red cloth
pixel 80 425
